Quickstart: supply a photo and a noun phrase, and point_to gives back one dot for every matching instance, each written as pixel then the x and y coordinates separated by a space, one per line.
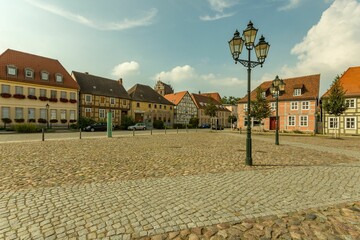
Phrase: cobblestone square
pixel 180 186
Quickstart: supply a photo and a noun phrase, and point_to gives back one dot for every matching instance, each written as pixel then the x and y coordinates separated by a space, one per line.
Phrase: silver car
pixel 138 126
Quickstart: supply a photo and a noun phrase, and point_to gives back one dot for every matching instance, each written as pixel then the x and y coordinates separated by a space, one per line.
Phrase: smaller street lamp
pixel 47 115
pixel 277 86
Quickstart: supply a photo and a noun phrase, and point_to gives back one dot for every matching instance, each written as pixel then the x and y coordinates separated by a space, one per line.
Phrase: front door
pixel 272 123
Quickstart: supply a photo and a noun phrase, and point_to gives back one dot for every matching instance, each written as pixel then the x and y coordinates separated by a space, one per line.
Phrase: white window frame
pixel 19 113
pixel 73 96
pixel 59 78
pixel 53 114
pixel 19 90
pixel 31 113
pixel 62 114
pixel 305 105
pixel 303 121
pixel 332 121
pixel 88 98
pixel 297 92
pixel 29 73
pixel 11 70
pixel 31 91
pixel 294 106
pixel 113 113
pixel 72 114
pixel 291 120
pixel 245 107
pixel 5 112
pixel 273 106
pixel 5 88
pixel 263 94
pixel 43 92
pixel 353 123
pixel 112 101
pixel 63 94
pixel 87 110
pixel 43 113
pixel 45 75
pixel 350 102
pixel 102 113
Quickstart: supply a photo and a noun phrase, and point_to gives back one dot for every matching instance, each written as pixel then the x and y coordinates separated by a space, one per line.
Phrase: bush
pixel 179 125
pixel 26 128
pixel 193 122
pixel 126 121
pixel 158 124
pixel 85 121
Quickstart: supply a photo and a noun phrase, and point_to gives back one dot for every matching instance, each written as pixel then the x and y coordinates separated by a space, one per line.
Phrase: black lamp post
pixel 47 115
pixel 277 86
pixel 261 50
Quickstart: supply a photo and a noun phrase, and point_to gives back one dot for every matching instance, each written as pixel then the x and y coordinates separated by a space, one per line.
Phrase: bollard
pixel 151 132
pixel 43 134
pixel 196 129
pixel 177 130
pixel 79 133
pixel 165 129
pixel 133 132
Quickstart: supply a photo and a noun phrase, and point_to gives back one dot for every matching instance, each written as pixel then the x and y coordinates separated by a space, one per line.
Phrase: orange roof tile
pixel 38 64
pixel 309 85
pixel 213 95
pixel 175 98
pixel 201 100
pixel 350 81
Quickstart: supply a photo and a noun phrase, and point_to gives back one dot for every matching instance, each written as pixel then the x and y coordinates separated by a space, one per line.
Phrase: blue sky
pixel 185 42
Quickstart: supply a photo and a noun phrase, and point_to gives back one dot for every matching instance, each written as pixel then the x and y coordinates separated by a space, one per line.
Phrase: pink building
pixel 298 105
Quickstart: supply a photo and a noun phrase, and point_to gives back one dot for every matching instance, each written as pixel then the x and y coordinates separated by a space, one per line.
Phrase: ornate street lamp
pixel 47 115
pixel 261 50
pixel 277 86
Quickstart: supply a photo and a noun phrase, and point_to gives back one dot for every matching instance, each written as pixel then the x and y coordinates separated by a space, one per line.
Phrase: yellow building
pixel 148 105
pixel 36 89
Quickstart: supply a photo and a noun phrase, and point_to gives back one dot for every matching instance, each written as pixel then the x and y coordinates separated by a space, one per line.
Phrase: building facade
pixel 99 95
pixel 184 108
pixel 297 105
pixel 222 113
pixel 148 105
pixel 36 89
pixel 348 122
pixel 163 88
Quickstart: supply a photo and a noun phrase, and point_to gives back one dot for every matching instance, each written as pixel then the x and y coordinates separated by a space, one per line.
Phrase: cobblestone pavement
pixel 183 201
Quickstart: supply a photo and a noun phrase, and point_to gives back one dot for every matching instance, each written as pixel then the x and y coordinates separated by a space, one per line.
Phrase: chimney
pixel 199 92
pixel 120 81
pixel 86 72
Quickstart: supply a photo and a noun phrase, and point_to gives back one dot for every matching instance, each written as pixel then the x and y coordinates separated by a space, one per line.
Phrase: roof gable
pixel 201 101
pixel 350 81
pixel 144 93
pixel 176 98
pixel 37 64
pixel 90 84
pixel 309 86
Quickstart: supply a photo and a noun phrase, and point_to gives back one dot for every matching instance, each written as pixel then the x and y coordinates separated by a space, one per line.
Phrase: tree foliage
pixel 260 107
pixel 229 100
pixel 232 119
pixel 194 121
pixel 335 104
pixel 210 109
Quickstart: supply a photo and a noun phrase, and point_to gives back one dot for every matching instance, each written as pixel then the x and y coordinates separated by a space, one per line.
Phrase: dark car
pixel 205 125
pixel 217 127
pixel 96 127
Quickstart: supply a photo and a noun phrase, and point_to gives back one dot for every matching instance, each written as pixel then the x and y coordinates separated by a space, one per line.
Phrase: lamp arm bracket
pixel 247 63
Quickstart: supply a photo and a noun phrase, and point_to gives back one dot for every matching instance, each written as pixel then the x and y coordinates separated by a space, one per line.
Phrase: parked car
pixel 101 126
pixel 138 126
pixel 205 125
pixel 217 127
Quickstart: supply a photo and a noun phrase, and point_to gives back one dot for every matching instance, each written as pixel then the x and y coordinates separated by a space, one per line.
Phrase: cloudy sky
pixel 185 42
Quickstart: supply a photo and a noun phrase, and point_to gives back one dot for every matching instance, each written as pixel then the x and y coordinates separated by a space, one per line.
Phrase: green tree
pixel 232 119
pixel 229 100
pixel 126 121
pixel 194 122
pixel 210 109
pixel 335 104
pixel 85 121
pixel 260 108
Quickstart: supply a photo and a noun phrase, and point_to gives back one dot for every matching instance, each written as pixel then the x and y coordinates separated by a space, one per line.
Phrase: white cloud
pixel 290 5
pixel 219 6
pixel 146 20
pixel 124 69
pixel 330 46
pixel 187 78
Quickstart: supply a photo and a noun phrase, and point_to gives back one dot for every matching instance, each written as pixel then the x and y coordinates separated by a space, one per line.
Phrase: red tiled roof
pixel 213 95
pixel 350 81
pixel 38 64
pixel 200 101
pixel 309 85
pixel 175 98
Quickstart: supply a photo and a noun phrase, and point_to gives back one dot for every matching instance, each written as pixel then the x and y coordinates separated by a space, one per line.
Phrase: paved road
pixel 127 209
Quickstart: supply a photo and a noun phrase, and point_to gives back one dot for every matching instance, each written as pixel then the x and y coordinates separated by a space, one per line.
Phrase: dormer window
pixel 297 92
pixel 29 73
pixel 11 70
pixel 44 75
pixel 59 78
pixel 263 94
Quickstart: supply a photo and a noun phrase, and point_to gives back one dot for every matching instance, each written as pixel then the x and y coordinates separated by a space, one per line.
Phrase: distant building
pixel 163 88
pixel 213 95
pixel 148 105
pixel 297 105
pixel 222 114
pixel 184 108
pixel 349 121
pixel 36 89
pixel 99 95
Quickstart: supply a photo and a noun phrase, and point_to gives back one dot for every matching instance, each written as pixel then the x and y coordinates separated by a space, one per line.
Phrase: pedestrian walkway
pixel 128 209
